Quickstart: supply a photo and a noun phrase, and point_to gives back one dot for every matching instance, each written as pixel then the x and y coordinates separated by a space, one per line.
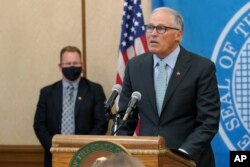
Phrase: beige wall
pixel 32 33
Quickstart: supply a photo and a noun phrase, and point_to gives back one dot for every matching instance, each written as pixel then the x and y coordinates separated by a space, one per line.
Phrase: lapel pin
pixel 178 73
pixel 79 98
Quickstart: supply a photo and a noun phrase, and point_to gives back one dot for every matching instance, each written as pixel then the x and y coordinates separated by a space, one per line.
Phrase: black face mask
pixel 72 73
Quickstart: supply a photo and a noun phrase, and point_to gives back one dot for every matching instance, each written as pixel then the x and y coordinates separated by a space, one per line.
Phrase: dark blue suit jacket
pixel 191 109
pixel 89 113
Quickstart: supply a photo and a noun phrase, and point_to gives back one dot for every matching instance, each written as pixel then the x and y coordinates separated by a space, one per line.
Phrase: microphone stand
pixel 116 122
pixel 117 125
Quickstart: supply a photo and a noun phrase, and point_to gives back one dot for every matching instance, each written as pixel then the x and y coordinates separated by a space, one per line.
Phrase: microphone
pixel 135 97
pixel 116 89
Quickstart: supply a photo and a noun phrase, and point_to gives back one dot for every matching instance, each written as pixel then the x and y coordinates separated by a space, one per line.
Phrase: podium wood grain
pixel 150 151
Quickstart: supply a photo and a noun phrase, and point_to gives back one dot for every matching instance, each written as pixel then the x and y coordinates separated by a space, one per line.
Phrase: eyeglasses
pixel 161 29
pixel 75 64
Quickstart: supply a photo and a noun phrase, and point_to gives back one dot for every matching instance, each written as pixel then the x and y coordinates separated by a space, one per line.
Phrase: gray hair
pixel 177 18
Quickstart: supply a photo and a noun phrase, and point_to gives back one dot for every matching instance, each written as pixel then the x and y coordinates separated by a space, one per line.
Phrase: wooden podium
pixel 150 151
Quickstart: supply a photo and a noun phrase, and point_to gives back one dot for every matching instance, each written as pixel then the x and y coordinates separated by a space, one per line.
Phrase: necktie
pixel 161 85
pixel 68 116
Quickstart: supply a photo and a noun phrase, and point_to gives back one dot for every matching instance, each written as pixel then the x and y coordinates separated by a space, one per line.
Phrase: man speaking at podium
pixel 180 98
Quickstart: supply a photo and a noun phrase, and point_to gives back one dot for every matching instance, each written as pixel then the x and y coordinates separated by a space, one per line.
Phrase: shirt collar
pixel 74 83
pixel 170 60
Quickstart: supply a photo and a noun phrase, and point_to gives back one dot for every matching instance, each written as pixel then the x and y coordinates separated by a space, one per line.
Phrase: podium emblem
pixel 95 151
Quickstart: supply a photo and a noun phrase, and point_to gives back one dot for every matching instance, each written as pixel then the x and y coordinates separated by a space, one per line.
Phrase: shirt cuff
pixel 184 151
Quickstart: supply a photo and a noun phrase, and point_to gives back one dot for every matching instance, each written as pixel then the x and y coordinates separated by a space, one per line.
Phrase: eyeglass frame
pixel 161 26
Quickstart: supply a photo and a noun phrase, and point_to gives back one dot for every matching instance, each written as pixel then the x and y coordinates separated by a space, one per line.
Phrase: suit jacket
pixel 190 113
pixel 89 112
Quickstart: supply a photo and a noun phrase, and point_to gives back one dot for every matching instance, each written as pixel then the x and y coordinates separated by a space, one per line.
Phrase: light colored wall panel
pixel 32 33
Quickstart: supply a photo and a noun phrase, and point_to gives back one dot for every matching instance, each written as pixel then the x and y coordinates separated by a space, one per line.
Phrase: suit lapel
pixel 81 94
pixel 57 98
pixel 180 70
pixel 147 72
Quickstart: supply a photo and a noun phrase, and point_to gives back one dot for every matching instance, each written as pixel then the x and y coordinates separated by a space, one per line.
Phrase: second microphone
pixel 135 97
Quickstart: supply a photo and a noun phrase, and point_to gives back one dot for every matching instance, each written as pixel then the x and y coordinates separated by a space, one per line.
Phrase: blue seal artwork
pixel 232 58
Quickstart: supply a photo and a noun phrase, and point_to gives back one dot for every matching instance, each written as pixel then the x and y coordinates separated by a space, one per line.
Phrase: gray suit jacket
pixel 191 109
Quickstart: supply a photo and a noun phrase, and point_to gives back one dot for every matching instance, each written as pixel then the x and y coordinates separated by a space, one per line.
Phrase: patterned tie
pixel 68 116
pixel 161 85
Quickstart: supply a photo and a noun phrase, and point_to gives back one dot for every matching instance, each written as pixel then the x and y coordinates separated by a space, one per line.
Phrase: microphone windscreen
pixel 117 88
pixel 136 95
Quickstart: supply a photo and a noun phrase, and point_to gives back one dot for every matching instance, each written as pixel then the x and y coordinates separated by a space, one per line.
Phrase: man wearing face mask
pixel 73 105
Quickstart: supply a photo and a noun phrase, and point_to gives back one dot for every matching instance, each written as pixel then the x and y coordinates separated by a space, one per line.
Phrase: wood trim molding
pixel 84 38
pixel 21 156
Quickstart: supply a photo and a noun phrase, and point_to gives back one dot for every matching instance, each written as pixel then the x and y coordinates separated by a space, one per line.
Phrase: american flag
pixel 133 40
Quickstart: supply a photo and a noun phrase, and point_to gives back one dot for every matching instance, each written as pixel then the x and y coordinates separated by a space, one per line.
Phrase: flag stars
pixel 130 7
pixel 133 29
pixel 132 23
pixel 139 14
pixel 125 3
pixel 136 23
pixel 123 43
pixel 143 28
